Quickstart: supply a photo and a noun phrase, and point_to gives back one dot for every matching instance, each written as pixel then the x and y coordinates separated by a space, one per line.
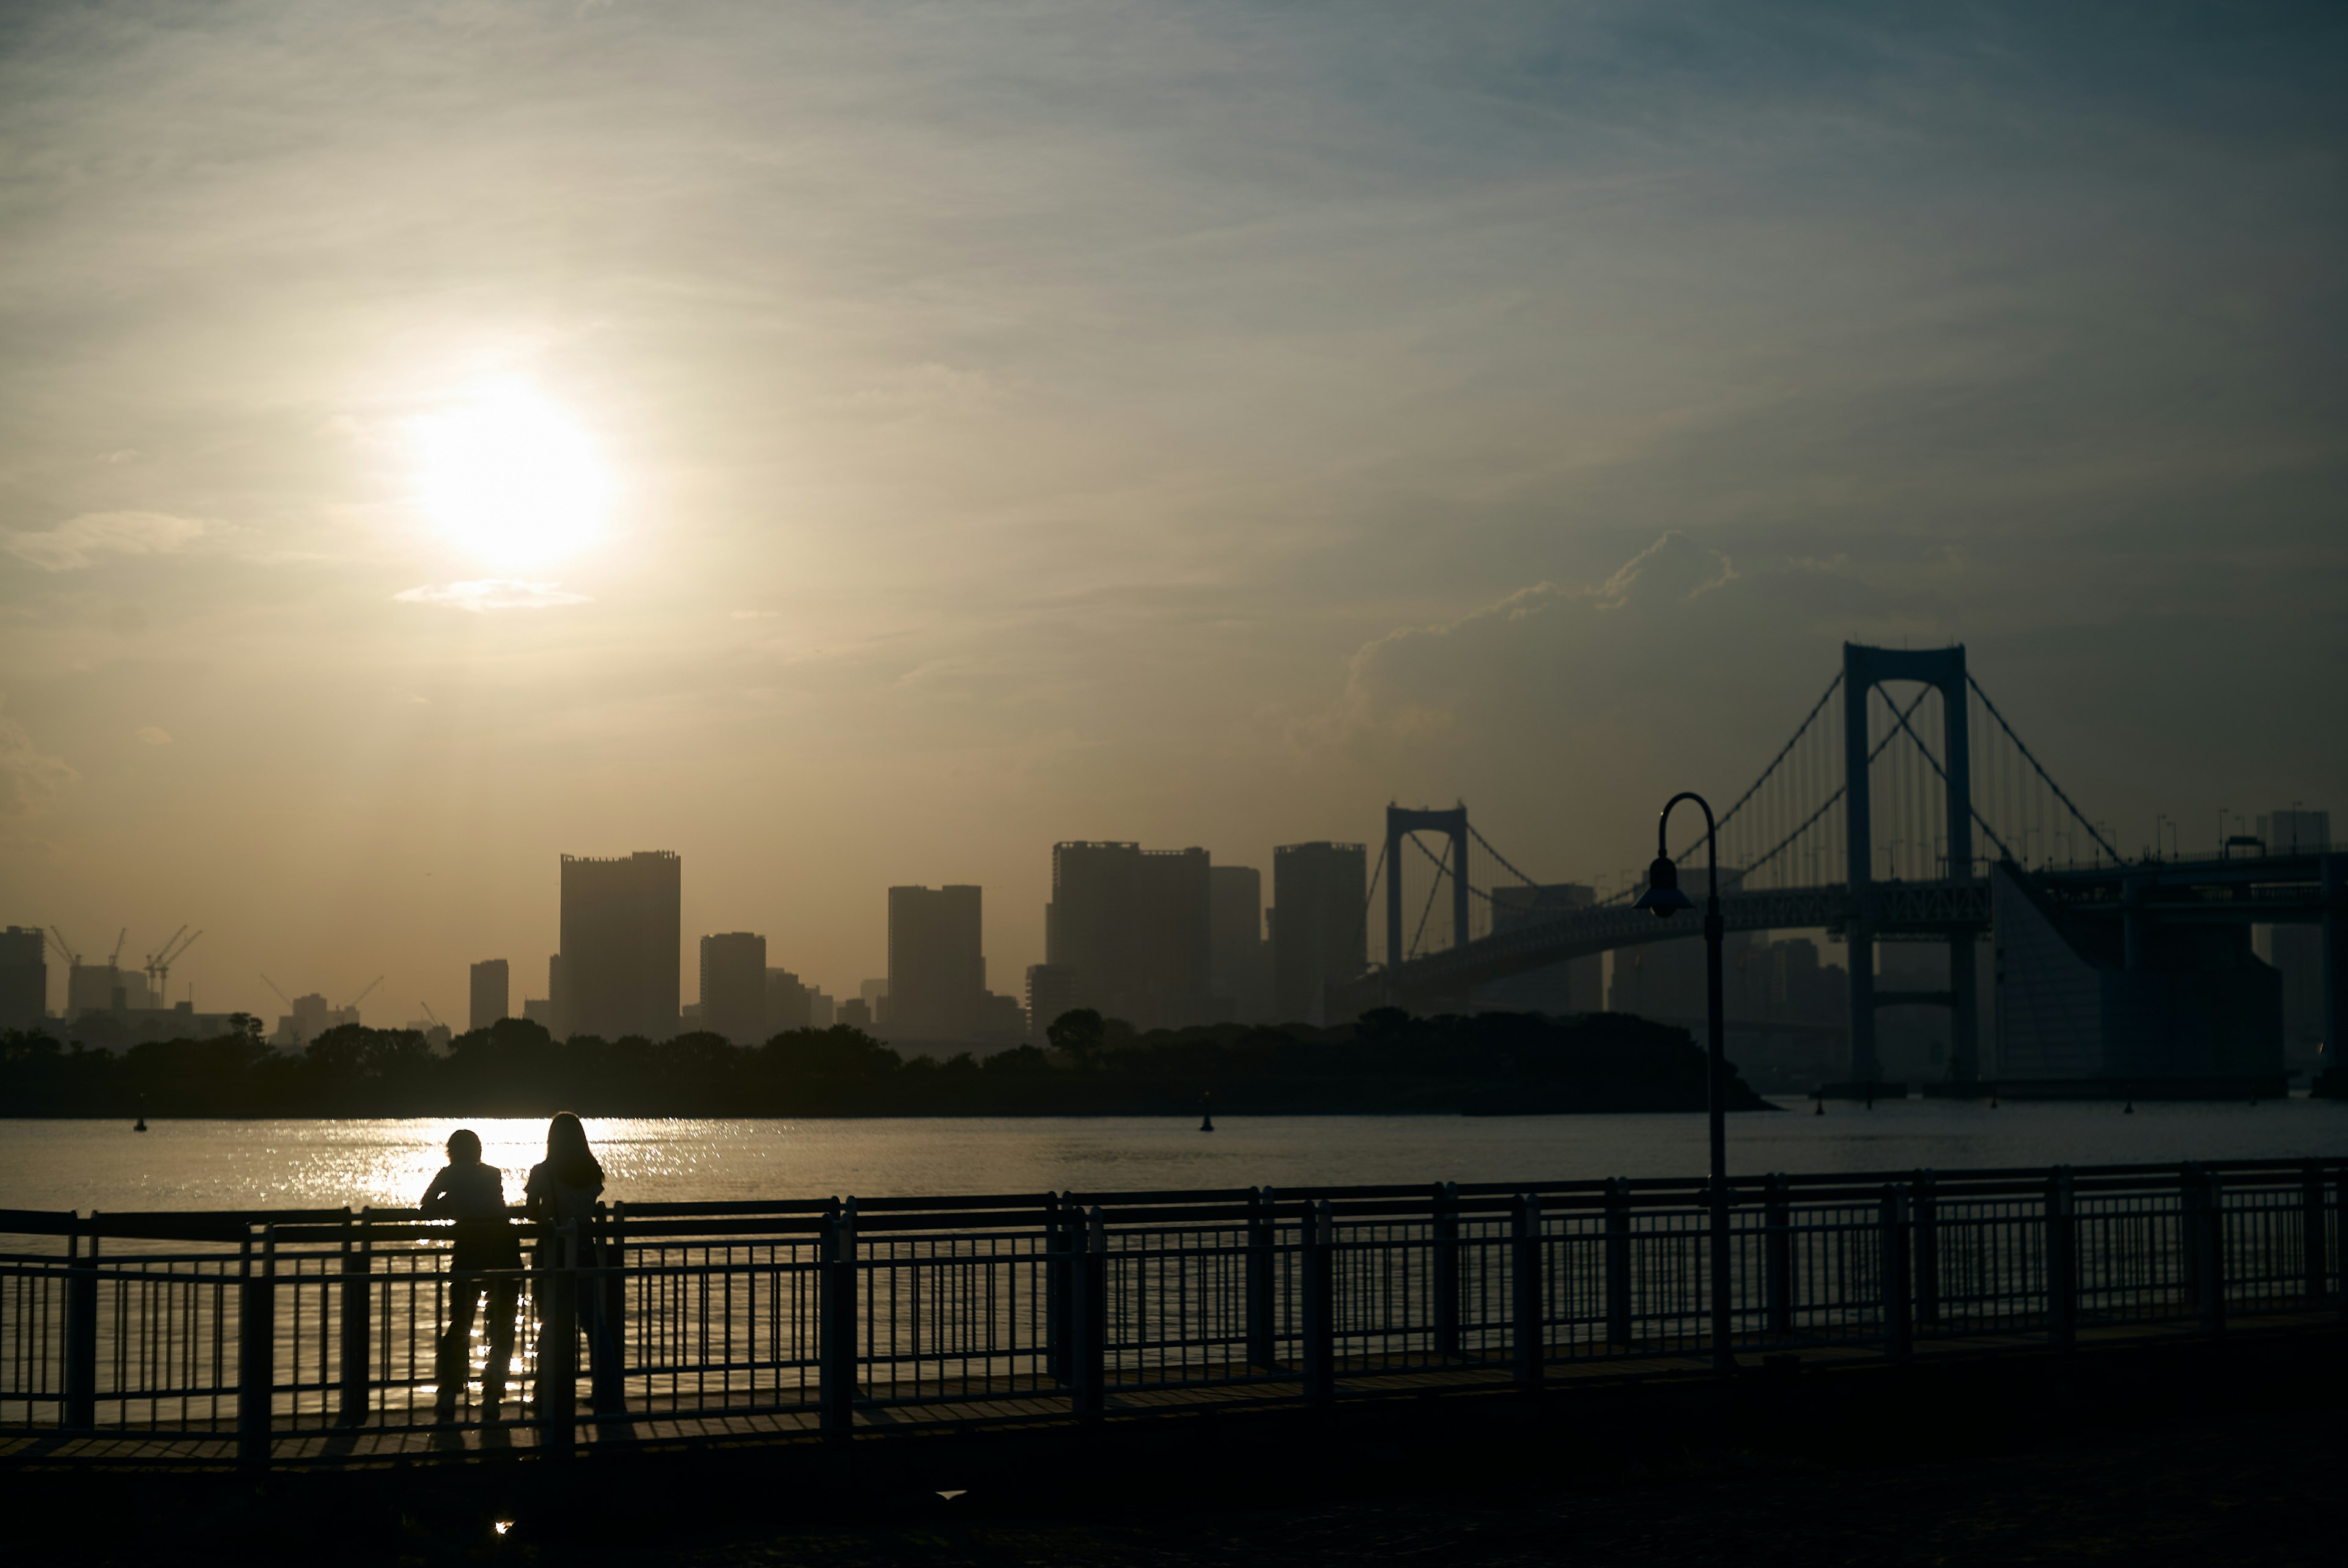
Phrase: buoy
pixel 142 1123
pixel 1822 1106
pixel 1206 1114
pixel 2128 1109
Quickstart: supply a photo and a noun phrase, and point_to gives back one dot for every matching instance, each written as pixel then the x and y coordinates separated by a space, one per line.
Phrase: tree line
pixel 1388 1061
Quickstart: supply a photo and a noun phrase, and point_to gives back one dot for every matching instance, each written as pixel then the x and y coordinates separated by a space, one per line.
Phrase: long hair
pixel 567 1151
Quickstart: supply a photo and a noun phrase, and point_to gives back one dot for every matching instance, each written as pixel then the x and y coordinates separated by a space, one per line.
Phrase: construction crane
pixel 160 962
pixel 72 958
pixel 274 986
pixel 115 962
pixel 352 1006
pixel 430 1014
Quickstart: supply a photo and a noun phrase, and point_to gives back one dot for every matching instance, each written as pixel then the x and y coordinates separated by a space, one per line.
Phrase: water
pixel 85 1165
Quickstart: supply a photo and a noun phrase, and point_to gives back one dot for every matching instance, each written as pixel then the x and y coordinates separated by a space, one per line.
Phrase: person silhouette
pixel 485 1261
pixel 560 1195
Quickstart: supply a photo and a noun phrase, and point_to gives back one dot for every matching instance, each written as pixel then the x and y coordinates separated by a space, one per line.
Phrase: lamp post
pixel 1663 899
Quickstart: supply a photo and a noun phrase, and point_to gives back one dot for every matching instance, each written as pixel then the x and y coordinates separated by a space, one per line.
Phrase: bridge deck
pixel 652 1423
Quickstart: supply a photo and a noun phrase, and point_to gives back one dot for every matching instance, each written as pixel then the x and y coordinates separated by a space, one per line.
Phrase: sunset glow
pixel 511 480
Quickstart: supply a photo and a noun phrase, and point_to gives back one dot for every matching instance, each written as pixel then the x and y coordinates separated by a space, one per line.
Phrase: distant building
pixel 1239 957
pixel 23 977
pixel 622 929
pixel 2296 832
pixel 492 993
pixel 1576 986
pixel 1000 1020
pixel 823 1009
pixel 1320 926
pixel 856 1013
pixel 1134 926
pixel 311 1017
pixel 1666 980
pixel 105 987
pixel 1051 991
pixel 2070 1009
pixel 539 1011
pixel 734 986
pixel 937 963
pixel 874 995
pixel 2296 953
pixel 787 1002
pixel 437 1035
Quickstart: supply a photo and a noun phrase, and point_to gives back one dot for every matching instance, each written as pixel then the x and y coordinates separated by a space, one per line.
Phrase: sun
pixel 510 479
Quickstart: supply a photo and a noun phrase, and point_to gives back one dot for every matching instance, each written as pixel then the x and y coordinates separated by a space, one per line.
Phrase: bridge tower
pixel 1453 825
pixel 1863 669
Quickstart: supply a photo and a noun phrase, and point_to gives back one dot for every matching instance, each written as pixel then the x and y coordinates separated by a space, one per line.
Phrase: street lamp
pixel 1663 899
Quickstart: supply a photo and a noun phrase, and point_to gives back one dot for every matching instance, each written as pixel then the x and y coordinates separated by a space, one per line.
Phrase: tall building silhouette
pixel 622 929
pixel 734 986
pixel 492 993
pixel 788 1002
pixel 1239 955
pixel 1320 926
pixel 937 963
pixel 1134 925
pixel 23 977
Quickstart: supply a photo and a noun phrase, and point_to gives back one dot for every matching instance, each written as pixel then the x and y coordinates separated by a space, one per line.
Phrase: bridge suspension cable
pixel 2076 814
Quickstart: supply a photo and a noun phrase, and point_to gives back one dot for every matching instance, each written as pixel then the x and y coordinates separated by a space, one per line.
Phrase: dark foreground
pixel 2207 1453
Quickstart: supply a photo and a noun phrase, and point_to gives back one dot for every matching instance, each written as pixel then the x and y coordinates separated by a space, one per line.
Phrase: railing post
pixel 836 1356
pixel 1924 1249
pixel 1262 1271
pixel 2311 1247
pixel 358 1300
pixel 1090 1308
pixel 613 1284
pixel 1618 1263
pixel 1446 1269
pixel 1319 1324
pixel 1899 1331
pixel 1055 1291
pixel 558 1349
pixel 2062 1274
pixel 2340 1234
pixel 256 1358
pixel 2212 1250
pixel 1525 1290
pixel 1777 1253
pixel 80 1379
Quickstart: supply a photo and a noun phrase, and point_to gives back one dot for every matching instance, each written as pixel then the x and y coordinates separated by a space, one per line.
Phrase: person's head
pixel 464 1147
pixel 566 1149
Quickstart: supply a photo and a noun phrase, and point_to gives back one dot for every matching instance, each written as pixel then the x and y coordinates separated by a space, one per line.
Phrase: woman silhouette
pixel 560 1195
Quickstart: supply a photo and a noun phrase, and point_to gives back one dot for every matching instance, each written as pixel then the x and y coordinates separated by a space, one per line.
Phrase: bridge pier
pixel 1453 824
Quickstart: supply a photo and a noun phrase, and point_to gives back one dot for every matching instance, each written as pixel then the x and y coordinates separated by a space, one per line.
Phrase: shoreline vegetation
pixel 1386 1062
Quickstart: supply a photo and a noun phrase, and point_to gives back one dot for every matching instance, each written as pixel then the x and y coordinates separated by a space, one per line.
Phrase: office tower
pixel 734 986
pixel 1134 925
pixel 23 977
pixel 1576 986
pixel 787 1002
pixel 1239 957
pixel 622 929
pixel 2295 831
pixel 492 993
pixel 1051 991
pixel 823 1009
pixel 874 995
pixel 937 963
pixel 1320 926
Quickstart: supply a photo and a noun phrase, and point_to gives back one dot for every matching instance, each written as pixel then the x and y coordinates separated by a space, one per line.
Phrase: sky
pixel 852 445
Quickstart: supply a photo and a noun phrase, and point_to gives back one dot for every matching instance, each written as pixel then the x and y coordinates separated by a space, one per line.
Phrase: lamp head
pixel 1662 898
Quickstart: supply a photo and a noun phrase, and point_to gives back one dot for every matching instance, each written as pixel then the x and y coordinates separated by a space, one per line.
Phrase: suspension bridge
pixel 1905 808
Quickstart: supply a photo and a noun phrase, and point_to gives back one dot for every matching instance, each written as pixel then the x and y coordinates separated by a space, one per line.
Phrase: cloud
pixel 28 779
pixel 496 593
pixel 154 735
pixel 85 540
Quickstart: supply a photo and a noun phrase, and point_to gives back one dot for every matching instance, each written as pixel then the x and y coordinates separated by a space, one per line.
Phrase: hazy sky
pixel 852 445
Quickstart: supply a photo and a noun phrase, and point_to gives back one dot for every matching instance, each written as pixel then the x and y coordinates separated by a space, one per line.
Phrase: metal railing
pixel 296 1333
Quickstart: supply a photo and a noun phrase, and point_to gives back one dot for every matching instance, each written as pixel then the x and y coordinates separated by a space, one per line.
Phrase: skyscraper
pixel 937 963
pixel 787 1002
pixel 622 928
pixel 734 986
pixel 23 977
pixel 1239 957
pixel 1320 926
pixel 1051 991
pixel 1133 925
pixel 492 993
